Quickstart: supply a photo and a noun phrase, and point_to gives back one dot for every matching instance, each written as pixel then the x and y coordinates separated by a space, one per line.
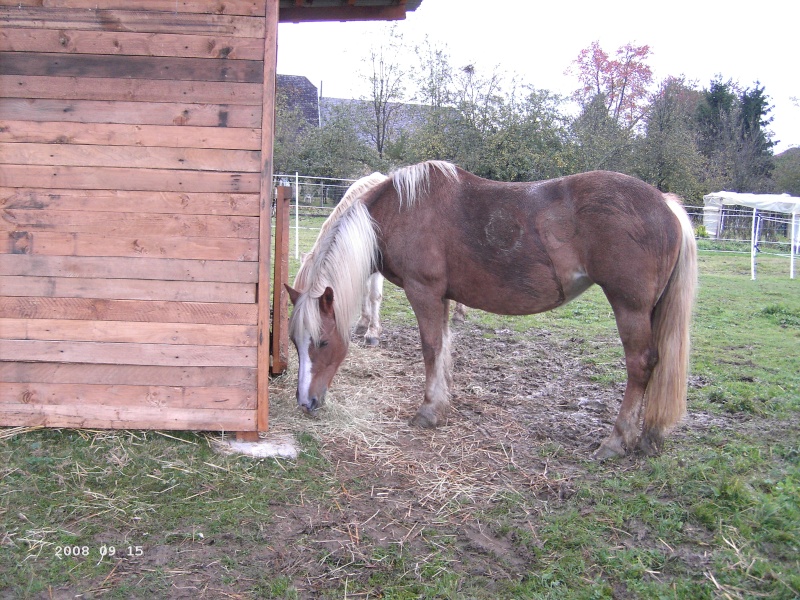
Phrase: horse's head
pixel 320 352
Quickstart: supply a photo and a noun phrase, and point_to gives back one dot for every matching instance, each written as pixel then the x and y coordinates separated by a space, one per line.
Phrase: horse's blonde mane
pixel 414 181
pixel 355 191
pixel 344 258
pixel 345 253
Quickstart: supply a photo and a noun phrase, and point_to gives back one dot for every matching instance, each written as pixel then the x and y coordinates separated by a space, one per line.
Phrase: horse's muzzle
pixel 311 403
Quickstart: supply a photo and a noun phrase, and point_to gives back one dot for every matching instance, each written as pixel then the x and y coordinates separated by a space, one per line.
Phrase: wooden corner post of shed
pixel 280 302
pixel 271 19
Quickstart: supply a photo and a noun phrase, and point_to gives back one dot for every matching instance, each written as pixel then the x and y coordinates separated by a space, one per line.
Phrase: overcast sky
pixel 537 42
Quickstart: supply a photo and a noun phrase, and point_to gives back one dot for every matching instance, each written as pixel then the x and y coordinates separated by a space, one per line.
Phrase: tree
pixel 485 122
pixel 622 82
pixel 733 137
pixel 336 149
pixel 387 83
pixel 714 117
pixel 787 172
pixel 756 160
pixel 528 142
pixel 479 105
pixel 459 109
pixel 433 137
pixel 598 141
pixel 667 155
pixel 433 77
pixel 613 99
pixel 478 98
pixel 291 130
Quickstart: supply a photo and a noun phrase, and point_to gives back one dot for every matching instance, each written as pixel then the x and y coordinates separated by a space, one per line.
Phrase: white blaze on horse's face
pixel 318 362
pixel 304 372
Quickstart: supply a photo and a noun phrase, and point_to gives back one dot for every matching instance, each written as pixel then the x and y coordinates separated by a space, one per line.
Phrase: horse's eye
pixel 322 343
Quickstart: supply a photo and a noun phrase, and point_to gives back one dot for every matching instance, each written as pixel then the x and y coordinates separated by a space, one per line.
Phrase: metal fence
pixel 312 198
pixel 766 232
pixel 314 191
pixel 736 223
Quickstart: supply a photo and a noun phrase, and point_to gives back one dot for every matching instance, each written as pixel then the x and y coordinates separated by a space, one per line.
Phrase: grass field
pixel 135 514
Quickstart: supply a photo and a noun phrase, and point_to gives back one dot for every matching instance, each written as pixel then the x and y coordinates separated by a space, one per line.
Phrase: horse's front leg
pixel 432 317
pixel 373 308
pixel 363 322
pixel 369 325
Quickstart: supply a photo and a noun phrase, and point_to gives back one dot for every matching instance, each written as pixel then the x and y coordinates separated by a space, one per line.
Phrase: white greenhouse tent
pixel 762 205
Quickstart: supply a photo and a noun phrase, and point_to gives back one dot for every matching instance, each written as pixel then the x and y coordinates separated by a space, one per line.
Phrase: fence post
pixel 754 244
pixel 296 215
pixel 794 243
pixel 280 305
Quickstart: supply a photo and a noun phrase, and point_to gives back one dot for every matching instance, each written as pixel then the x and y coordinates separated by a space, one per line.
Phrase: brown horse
pixel 443 234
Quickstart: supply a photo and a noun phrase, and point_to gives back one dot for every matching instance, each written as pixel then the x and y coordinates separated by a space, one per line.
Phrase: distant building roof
pixel 301 94
pixel 406 116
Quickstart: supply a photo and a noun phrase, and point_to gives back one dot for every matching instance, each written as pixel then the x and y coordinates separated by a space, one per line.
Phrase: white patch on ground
pixel 278 446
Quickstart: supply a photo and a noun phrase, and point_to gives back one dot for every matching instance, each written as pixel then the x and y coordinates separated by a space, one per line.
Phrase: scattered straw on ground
pixel 461 463
pixel 10 432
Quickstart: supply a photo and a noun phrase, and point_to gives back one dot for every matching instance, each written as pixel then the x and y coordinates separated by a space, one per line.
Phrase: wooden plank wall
pixel 130 180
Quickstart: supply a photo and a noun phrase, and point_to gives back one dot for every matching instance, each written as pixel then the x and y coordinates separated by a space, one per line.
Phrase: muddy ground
pixel 527 415
pixel 525 412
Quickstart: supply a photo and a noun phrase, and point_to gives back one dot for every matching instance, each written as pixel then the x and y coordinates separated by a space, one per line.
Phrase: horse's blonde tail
pixel 665 398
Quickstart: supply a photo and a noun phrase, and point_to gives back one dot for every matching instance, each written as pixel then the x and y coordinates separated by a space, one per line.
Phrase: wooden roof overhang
pixel 297 11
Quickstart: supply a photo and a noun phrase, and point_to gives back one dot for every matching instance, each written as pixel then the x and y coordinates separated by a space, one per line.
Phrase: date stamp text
pixel 99 553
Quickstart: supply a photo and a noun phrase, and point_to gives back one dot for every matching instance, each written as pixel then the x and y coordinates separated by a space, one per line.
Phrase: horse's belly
pixel 515 260
pixel 515 289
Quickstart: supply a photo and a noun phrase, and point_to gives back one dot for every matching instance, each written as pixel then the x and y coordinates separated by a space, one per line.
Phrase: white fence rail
pixel 312 196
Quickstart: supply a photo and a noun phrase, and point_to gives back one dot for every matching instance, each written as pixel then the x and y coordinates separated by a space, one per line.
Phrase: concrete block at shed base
pixel 282 446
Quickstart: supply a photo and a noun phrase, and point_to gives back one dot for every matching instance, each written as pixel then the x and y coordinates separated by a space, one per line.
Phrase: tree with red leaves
pixel 621 81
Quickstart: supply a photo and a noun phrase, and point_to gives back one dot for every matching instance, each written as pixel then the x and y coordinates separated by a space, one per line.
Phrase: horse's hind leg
pixel 432 317
pixel 640 359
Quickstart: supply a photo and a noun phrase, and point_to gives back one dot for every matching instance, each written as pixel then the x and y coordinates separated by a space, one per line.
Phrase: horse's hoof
pixel 424 421
pixel 372 341
pixel 651 443
pixel 314 415
pixel 610 448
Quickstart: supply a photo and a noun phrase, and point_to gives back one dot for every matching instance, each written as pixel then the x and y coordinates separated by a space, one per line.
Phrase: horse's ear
pixel 293 293
pixel 326 302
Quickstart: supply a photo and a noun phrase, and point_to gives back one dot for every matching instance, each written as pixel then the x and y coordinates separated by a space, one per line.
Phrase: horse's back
pixel 521 248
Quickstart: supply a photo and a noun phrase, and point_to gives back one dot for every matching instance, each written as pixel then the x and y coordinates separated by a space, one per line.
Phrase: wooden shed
pixel 135 188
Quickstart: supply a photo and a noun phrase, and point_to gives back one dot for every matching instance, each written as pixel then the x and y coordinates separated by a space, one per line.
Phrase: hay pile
pixel 471 459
